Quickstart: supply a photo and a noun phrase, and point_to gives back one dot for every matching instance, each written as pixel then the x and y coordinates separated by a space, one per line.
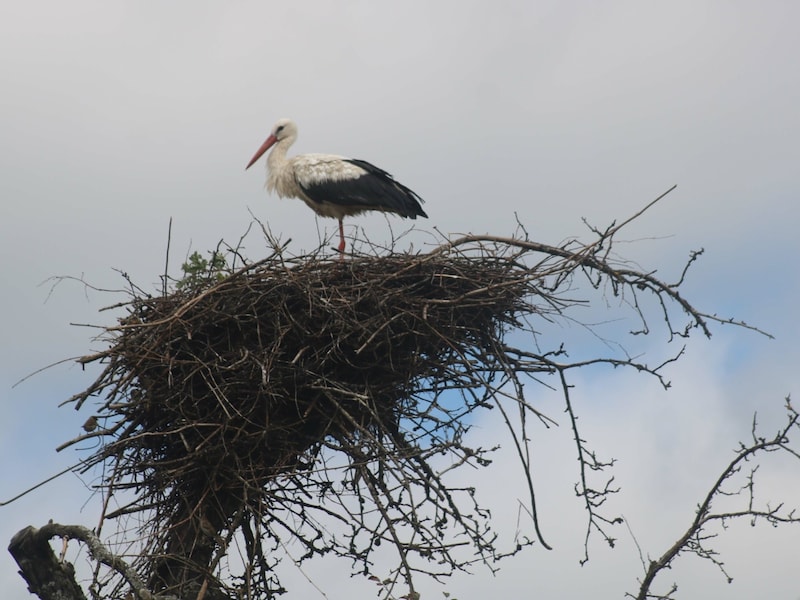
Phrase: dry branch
pixel 696 539
pixel 325 402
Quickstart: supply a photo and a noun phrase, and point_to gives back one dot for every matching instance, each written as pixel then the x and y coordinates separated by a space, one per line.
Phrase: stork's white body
pixel 331 185
pixel 288 177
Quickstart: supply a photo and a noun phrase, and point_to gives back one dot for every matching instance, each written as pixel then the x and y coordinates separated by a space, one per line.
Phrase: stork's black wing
pixel 372 188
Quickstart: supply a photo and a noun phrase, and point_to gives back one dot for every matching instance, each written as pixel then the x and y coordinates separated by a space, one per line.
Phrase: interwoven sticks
pixel 327 402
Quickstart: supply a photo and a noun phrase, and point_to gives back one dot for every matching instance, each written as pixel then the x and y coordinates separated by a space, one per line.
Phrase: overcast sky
pixel 117 116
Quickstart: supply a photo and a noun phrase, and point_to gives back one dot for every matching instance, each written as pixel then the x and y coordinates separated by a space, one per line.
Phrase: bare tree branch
pixel 695 539
pixel 329 403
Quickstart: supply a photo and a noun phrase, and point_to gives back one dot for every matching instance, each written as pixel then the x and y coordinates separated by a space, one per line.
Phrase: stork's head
pixel 284 130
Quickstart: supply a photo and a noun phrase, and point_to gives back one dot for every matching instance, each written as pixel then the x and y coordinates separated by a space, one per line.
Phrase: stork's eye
pixel 279 129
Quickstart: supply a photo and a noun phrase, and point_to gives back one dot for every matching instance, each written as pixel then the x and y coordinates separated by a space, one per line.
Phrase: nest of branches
pixel 310 399
pixel 221 399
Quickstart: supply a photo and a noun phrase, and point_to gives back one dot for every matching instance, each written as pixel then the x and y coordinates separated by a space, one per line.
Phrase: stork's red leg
pixel 341 238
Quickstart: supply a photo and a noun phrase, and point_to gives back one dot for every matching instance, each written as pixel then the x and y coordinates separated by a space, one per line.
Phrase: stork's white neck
pixel 277 156
pixel 279 176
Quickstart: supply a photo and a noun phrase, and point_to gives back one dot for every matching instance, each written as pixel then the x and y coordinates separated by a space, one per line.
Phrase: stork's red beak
pixel 264 147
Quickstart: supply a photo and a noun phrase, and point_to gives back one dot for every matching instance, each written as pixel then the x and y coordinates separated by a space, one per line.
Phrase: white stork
pixel 332 186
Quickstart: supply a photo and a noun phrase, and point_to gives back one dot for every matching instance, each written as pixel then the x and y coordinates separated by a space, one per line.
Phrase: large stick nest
pixel 297 393
pixel 234 385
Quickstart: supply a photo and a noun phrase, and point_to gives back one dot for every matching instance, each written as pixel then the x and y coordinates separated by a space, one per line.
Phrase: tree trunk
pixel 47 577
